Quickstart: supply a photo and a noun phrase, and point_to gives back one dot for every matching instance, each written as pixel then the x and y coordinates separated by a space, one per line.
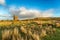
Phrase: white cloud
pixel 13 10
pixel 29 13
pixel 24 13
pixel 2 2
pixel 48 13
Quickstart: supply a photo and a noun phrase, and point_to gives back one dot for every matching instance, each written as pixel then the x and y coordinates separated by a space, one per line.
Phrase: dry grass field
pixel 29 30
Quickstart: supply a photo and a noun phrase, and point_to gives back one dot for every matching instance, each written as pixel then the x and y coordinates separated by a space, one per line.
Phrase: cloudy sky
pixel 26 9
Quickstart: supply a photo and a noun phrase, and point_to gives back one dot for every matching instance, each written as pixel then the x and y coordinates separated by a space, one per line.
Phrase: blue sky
pixel 42 5
pixel 39 4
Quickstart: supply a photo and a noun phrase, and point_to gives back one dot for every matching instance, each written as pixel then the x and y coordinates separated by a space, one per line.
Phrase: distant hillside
pixel 46 18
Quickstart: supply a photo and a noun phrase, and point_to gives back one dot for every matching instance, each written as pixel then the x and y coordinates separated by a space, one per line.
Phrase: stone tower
pixel 15 18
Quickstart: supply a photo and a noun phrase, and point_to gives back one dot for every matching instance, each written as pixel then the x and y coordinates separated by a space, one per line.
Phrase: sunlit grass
pixel 29 31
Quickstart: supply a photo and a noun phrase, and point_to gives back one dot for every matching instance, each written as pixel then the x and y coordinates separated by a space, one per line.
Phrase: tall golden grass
pixel 26 32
